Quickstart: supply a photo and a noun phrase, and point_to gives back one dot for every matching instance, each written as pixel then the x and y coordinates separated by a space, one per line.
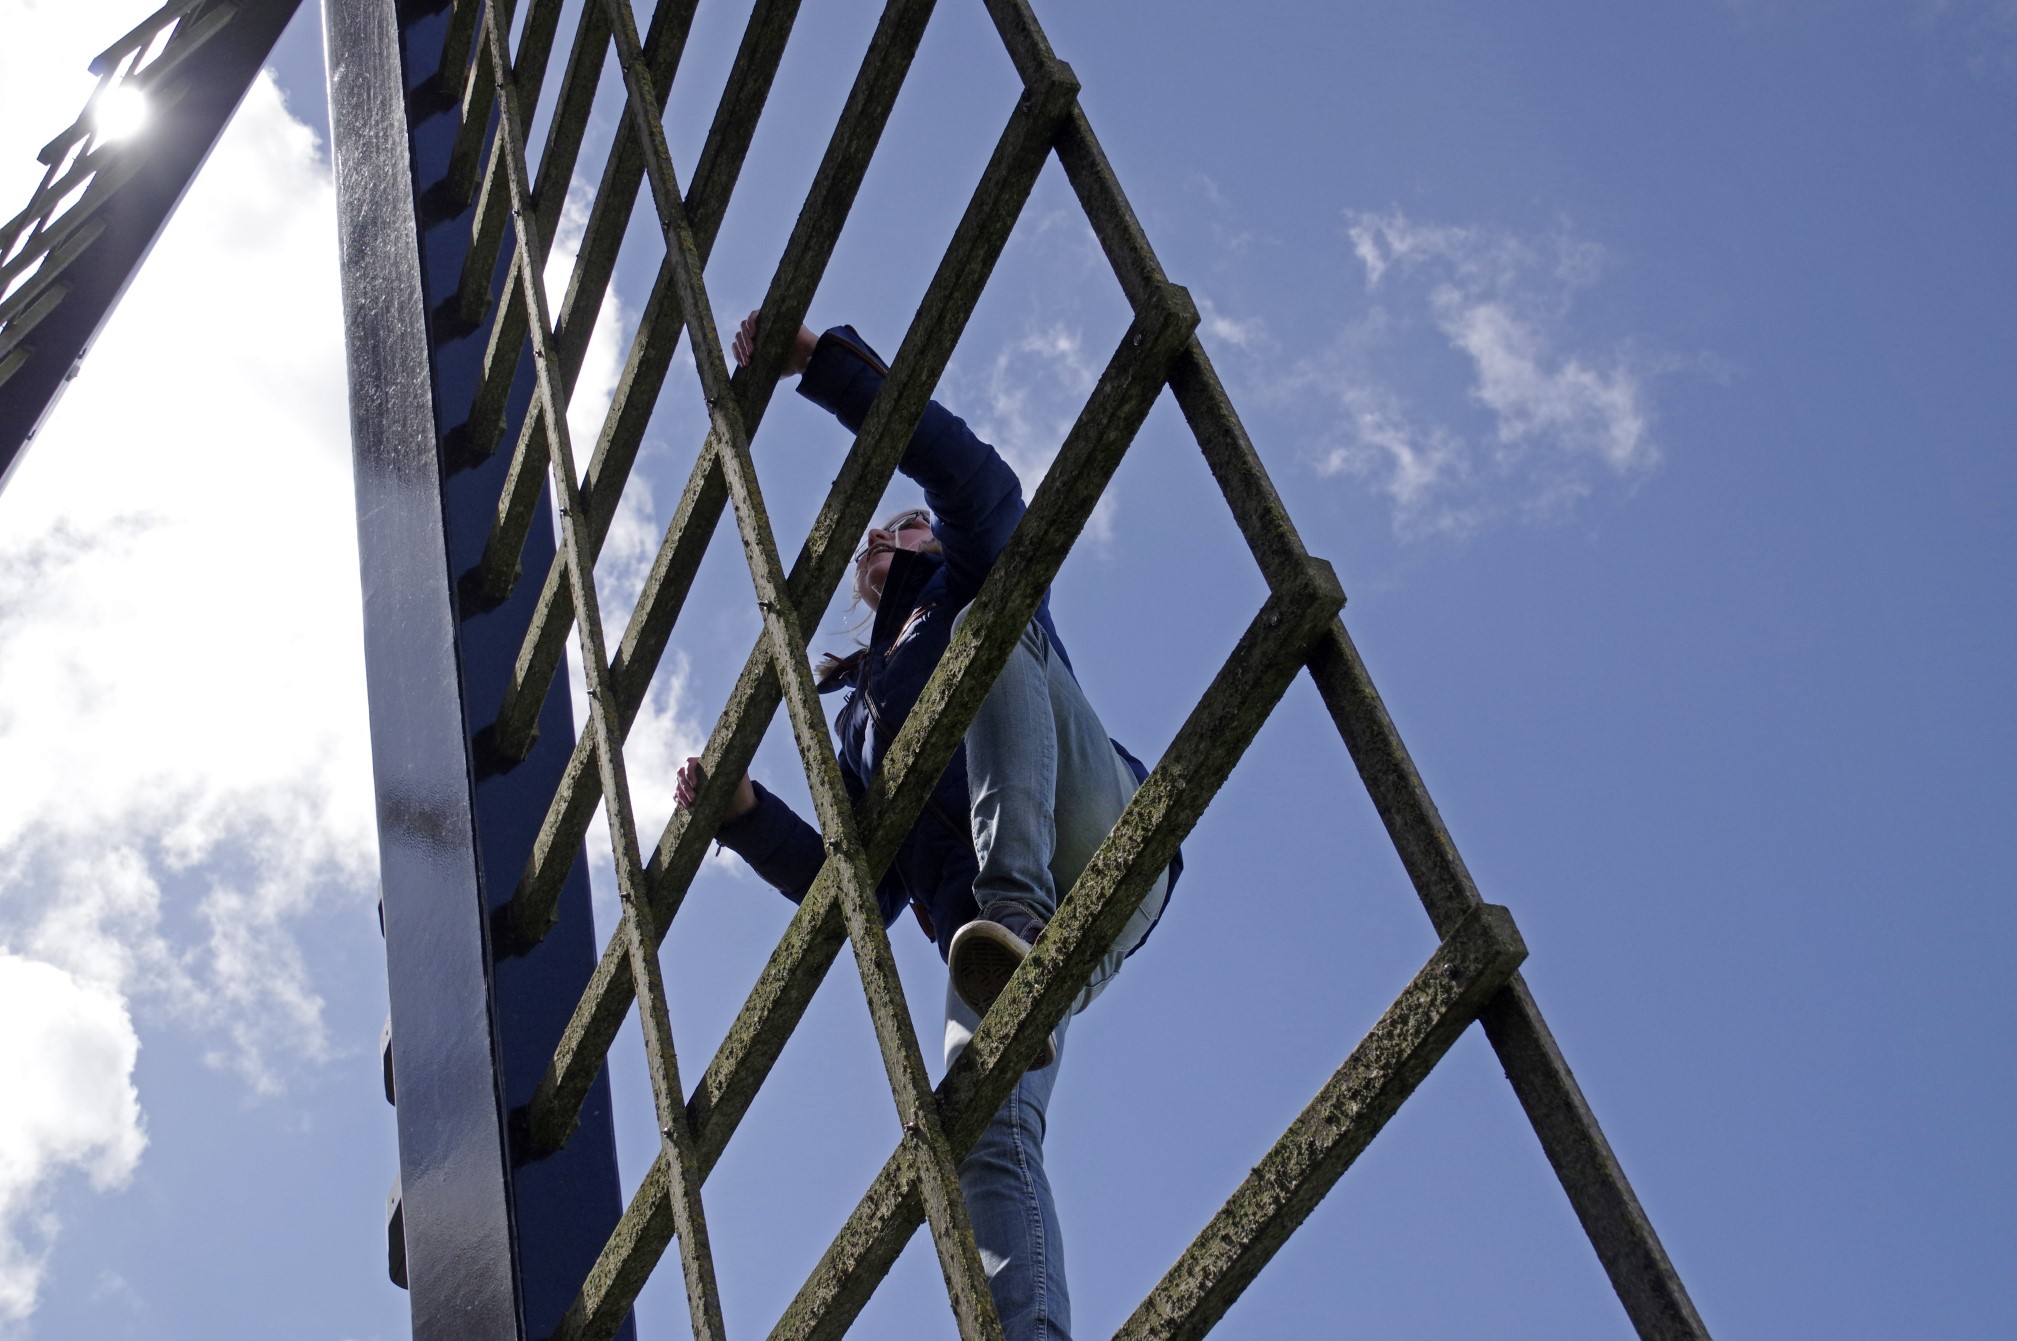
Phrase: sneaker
pixel 985 954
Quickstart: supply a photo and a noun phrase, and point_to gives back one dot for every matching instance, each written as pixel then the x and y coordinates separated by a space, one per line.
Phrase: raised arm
pixel 975 498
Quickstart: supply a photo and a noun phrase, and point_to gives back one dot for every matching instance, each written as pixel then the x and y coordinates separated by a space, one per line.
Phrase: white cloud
pixel 1478 261
pixel 602 363
pixel 114 1288
pixel 1480 316
pixel 181 698
pixel 1413 465
pixel 181 677
pixel 1249 335
pixel 1028 427
pixel 1026 400
pixel 68 1052
pixel 1534 395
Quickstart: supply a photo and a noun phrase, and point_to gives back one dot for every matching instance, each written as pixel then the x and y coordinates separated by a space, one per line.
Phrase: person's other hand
pixel 744 345
pixel 687 784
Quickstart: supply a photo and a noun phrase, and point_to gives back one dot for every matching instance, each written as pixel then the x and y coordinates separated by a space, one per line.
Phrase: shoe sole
pixel 984 956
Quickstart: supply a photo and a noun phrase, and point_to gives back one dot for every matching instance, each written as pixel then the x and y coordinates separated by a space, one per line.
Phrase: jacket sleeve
pixel 787 852
pixel 975 498
pixel 777 844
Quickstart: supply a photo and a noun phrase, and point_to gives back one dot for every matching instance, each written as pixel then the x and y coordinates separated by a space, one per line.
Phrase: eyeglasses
pixel 902 521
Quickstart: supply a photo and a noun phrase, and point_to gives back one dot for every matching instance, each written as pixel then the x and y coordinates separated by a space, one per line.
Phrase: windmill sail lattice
pixel 509 1221
pixel 67 256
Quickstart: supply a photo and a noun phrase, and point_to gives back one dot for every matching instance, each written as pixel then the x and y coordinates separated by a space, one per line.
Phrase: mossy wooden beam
pixel 1332 1130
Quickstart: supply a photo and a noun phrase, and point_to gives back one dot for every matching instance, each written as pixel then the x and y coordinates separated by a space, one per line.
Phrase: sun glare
pixel 120 112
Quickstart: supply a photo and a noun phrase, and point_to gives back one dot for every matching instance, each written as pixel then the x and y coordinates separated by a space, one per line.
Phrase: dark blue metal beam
pixel 496 1246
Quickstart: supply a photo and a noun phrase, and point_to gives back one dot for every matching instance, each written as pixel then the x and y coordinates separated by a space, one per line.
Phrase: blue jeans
pixel 1008 1197
pixel 1046 788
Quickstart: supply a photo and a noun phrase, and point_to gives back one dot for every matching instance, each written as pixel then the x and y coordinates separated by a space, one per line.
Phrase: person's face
pixel 906 530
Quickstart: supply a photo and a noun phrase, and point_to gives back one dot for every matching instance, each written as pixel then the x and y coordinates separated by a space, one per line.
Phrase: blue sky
pixel 1642 369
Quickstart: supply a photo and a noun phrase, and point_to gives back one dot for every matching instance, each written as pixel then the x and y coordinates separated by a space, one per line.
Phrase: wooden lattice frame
pixel 514 216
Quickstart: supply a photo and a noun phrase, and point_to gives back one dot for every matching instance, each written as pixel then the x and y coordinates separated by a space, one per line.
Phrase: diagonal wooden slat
pixel 596 259
pixel 934 1165
pixel 564 131
pixel 477 96
pixel 13 339
pixel 651 352
pixel 458 43
pixel 797 275
pixel 1474 962
pixel 639 935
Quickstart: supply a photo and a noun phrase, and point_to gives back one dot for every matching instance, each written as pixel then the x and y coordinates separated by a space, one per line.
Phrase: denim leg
pixel 1012 778
pixel 1008 1198
pixel 1046 786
